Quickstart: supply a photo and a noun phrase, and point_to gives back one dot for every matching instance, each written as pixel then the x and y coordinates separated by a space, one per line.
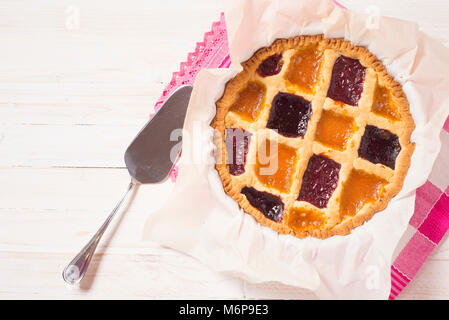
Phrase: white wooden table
pixel 78 79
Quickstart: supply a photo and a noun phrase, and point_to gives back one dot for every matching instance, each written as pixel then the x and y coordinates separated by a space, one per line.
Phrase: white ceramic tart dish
pixel 314 136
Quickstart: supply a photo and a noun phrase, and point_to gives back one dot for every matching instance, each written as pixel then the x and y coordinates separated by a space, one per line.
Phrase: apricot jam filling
pixel 359 189
pixel 334 130
pixel 300 219
pixel 249 101
pixel 275 165
pixel 304 68
pixel 383 104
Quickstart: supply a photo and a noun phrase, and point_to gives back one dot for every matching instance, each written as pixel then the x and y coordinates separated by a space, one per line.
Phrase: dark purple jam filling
pixel 289 115
pixel 270 66
pixel 379 146
pixel 319 181
pixel 270 205
pixel 237 142
pixel 347 81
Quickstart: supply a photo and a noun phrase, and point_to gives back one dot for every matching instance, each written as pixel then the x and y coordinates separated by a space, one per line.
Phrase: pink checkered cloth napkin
pixel 430 220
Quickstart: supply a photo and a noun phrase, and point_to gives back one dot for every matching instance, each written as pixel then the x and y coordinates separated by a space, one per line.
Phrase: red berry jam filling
pixel 270 66
pixel 270 205
pixel 237 142
pixel 347 81
pixel 319 181
pixel 301 219
pixel 289 115
pixel 379 146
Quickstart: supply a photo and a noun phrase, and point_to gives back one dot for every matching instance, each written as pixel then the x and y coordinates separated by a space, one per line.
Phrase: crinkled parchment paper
pixel 202 221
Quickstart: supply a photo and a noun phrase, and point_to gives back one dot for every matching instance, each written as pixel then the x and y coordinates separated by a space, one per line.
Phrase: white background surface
pixel 78 79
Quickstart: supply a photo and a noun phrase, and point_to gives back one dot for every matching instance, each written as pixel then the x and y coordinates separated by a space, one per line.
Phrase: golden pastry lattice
pixel 356 139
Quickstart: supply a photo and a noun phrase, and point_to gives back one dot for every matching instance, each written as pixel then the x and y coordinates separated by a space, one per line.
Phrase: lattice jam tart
pixel 314 136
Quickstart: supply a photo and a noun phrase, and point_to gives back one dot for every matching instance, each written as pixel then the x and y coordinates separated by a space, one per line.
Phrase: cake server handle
pixel 76 269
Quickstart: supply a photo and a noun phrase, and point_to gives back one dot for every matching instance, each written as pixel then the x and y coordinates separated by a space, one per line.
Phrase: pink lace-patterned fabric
pixel 213 52
pixel 430 220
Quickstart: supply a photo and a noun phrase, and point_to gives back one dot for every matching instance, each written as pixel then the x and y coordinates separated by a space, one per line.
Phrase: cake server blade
pixel 149 159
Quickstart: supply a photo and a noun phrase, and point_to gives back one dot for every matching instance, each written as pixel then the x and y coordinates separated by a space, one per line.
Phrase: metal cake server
pixel 148 161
